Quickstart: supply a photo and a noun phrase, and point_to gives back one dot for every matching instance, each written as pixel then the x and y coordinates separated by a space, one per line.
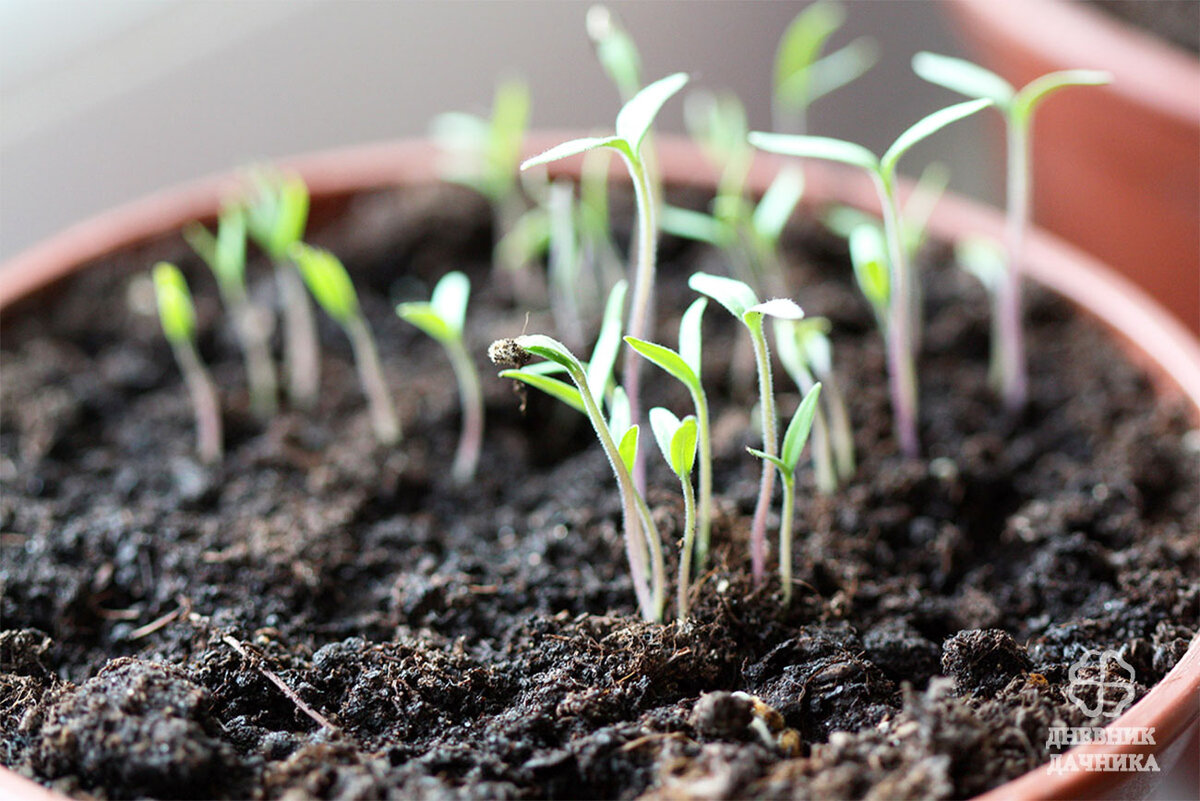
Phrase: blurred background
pixel 103 102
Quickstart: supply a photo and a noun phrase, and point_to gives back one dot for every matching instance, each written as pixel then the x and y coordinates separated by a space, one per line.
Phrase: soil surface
pixel 321 617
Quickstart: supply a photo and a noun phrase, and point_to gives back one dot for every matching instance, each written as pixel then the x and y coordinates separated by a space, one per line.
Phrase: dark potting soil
pixel 320 616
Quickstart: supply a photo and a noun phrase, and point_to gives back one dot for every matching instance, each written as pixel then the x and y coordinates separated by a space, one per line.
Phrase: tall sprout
pixel 1017 108
pixel 900 342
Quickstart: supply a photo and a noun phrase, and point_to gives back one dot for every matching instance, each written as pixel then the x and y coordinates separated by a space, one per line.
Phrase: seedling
pixel 1017 107
pixel 684 365
pixel 642 542
pixel 677 440
pixel 483 153
pixel 740 301
pixel 178 317
pixel 868 255
pixel 807 355
pixel 276 216
pixel 984 259
pixel 331 286
pixel 632 125
pixel 787 462
pixel 615 50
pixel 225 255
pixel 443 318
pixel 901 366
pixel 748 233
pixel 803 75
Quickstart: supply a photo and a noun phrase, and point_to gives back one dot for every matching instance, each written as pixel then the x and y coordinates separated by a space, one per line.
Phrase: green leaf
pixel 868 253
pixel 277 213
pixel 799 428
pixel 734 295
pixel 984 258
pixel 293 212
pixel 424 316
pixel 608 341
pixel 718 124
pixel 778 203
pixel 551 349
pixel 449 300
pixel 527 240
pixel 816 147
pixel 798 49
pixel 667 359
pixel 636 116
pixel 695 225
pixel 832 72
pixel 780 308
pixel 175 309
pixel 230 247
pixel 784 470
pixel 664 424
pixel 690 333
pixel 1036 90
pixel 327 280
pixel 615 49
pixel 559 390
pixel 201 240
pixel 812 338
pixel 510 117
pixel 964 77
pixel 628 447
pixel 620 416
pixel 573 148
pixel 683 447
pixel 924 128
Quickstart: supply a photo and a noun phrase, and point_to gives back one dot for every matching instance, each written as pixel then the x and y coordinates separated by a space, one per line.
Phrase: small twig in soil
pixel 185 606
pixel 320 719
pixel 649 738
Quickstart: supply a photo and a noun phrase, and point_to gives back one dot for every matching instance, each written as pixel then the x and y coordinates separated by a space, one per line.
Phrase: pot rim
pixel 1153 338
pixel 1147 70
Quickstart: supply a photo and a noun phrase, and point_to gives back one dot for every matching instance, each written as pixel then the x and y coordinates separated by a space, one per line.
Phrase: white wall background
pixel 102 101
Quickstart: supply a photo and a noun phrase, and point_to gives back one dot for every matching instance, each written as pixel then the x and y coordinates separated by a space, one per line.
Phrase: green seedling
pixel 276 216
pixel 748 233
pixel 684 366
pixel 807 355
pixel 484 153
pixel 632 126
pixel 803 75
pixel 1017 108
pixel 178 317
pixel 677 440
pixel 786 463
pixel 330 285
pixel 984 259
pixel 901 364
pixel 868 255
pixel 615 50
pixel 740 301
pixel 225 255
pixel 642 542
pixel 443 317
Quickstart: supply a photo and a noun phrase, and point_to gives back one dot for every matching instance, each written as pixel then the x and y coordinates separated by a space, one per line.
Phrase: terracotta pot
pixel 1153 339
pixel 1116 168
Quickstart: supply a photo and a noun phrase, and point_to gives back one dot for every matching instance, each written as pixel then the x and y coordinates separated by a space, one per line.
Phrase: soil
pixel 321 617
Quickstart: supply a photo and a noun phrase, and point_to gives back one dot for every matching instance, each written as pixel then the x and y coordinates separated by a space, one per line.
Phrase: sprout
pixel 331 286
pixel 684 365
pixel 178 318
pixel 483 154
pixel 868 255
pixel 443 318
pixel 787 462
pixel 901 367
pixel 615 50
pixel 742 303
pixel 984 259
pixel 225 254
pixel 632 126
pixel 276 215
pixel 642 542
pixel 807 356
pixel 677 440
pixel 802 75
pixel 1017 107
